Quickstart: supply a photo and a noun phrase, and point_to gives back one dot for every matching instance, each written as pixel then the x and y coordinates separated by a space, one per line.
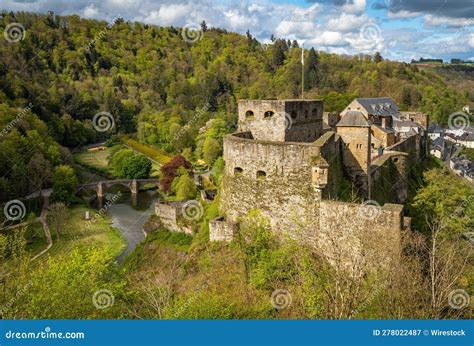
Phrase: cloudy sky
pixel 400 29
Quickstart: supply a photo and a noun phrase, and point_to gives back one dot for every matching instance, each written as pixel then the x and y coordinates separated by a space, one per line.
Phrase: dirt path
pixel 47 232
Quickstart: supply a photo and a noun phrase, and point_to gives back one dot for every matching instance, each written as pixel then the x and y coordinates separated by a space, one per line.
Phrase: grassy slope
pixel 98 160
pixel 75 232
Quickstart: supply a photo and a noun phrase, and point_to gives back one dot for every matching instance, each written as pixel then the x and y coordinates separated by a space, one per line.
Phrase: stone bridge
pixel 132 184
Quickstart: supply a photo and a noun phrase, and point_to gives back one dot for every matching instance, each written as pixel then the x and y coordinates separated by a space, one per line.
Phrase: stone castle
pixel 292 161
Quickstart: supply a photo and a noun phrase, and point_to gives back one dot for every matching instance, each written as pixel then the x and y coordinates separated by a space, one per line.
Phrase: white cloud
pixel 91 11
pixel 328 38
pixel 403 14
pixel 357 6
pixel 431 20
pixel 346 22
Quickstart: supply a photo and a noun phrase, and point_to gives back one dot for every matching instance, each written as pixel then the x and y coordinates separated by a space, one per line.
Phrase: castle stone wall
pixel 411 145
pixel 359 235
pixel 279 121
pixel 221 230
pixel 169 214
pixel 389 183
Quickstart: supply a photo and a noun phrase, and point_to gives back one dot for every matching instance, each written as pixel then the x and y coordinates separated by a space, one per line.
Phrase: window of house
pixel 249 114
pixel 359 146
pixel 268 114
pixel 261 175
pixel 293 114
pixel 238 171
pixel 314 113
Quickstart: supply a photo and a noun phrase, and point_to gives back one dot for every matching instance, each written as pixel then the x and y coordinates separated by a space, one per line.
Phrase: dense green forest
pixel 163 88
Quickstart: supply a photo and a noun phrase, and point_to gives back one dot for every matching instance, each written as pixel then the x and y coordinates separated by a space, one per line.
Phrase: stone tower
pixel 282 120
pixel 356 137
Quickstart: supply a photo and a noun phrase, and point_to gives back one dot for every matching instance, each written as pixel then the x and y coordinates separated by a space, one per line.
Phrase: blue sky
pixel 400 29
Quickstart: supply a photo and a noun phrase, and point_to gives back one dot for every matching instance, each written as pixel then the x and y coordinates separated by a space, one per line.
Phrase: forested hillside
pixel 158 85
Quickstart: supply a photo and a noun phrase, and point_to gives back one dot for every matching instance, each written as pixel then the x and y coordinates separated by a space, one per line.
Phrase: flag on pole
pixel 302 55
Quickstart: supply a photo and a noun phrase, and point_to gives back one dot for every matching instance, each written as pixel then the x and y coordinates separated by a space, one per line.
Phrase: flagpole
pixel 302 72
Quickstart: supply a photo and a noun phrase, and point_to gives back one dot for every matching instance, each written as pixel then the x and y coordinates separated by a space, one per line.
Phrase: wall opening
pixel 261 175
pixel 293 114
pixel 268 114
pixel 238 171
pixel 249 114
pixel 314 113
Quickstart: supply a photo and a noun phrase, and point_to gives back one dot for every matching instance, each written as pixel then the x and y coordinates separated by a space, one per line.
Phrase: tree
pixel 39 171
pixel 378 57
pixel 129 165
pixel 211 150
pixel 169 171
pixel 185 187
pixel 64 184
pixel 57 215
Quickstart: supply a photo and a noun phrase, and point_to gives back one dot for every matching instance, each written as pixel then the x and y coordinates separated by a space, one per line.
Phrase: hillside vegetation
pixel 155 83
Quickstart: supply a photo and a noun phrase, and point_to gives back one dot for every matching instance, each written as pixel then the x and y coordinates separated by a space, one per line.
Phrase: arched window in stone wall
pixel 249 114
pixel 268 114
pixel 314 113
pixel 261 175
pixel 238 171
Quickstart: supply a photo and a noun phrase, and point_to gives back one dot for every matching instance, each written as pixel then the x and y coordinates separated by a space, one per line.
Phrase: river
pixel 129 216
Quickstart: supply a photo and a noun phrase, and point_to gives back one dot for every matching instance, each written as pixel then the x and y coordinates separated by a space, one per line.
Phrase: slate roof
pixel 380 106
pixel 434 128
pixel 353 118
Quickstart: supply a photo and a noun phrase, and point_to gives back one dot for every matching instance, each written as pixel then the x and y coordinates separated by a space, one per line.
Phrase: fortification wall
pixel 286 194
pixel 221 230
pixel 276 159
pixel 170 214
pixel 389 174
pixel 359 235
pixel 418 117
pixel 330 146
pixel 410 145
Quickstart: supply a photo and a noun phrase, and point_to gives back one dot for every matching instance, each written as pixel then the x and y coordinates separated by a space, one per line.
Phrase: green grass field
pixel 75 232
pixel 97 160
